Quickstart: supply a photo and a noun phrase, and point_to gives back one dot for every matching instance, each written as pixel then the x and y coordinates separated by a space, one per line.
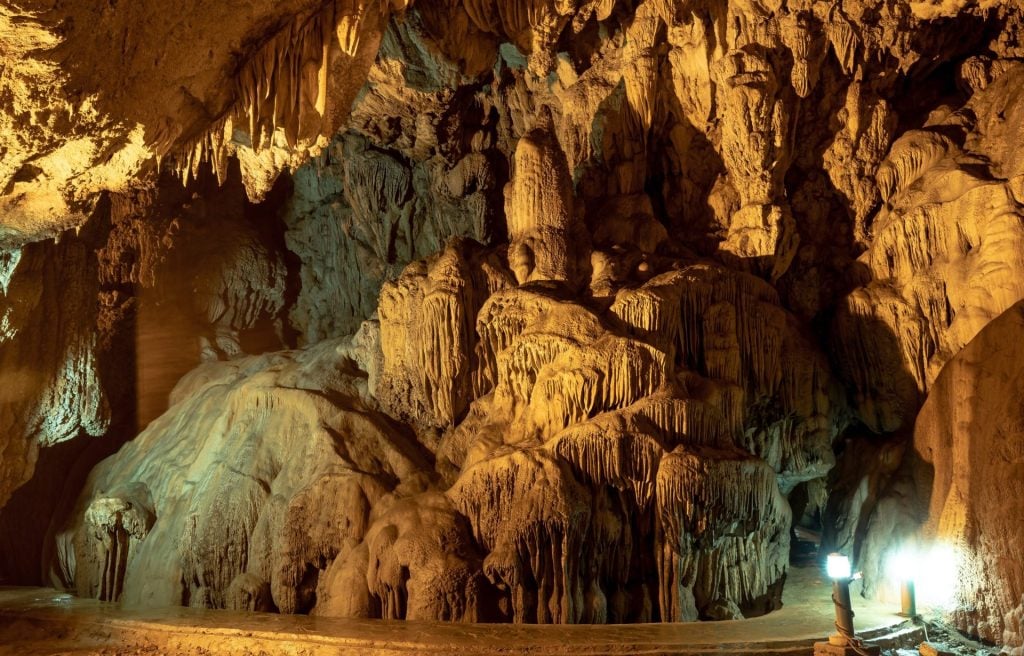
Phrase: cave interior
pixel 513 311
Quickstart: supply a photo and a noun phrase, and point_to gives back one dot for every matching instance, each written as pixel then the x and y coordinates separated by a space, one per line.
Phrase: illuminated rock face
pixel 969 432
pixel 497 310
pixel 594 467
pixel 946 257
pixel 51 378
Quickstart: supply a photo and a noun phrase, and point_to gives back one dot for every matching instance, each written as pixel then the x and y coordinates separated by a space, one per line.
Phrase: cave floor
pixel 37 621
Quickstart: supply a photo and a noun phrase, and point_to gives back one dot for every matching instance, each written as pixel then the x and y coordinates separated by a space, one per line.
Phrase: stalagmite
pixel 265 518
pixel 116 523
pixel 968 433
pixel 544 236
pixel 426 341
pixel 420 564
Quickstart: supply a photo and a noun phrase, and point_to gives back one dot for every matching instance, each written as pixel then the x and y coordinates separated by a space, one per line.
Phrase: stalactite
pixel 563 398
pixel 504 318
pixel 709 344
pixel 795 436
pixel 612 373
pixel 853 159
pixel 116 523
pixel 884 347
pixel 532 516
pixel 754 140
pixel 497 328
pixel 916 240
pixel 702 492
pixel 723 521
pixel 843 38
pixel 721 343
pixel 641 79
pixel 377 186
pixel 684 421
pixel 284 85
pixel 652 312
pixel 286 80
pixel 520 364
pixel 910 156
pixel 426 340
pixel 802 34
pixel 607 450
pixel 483 13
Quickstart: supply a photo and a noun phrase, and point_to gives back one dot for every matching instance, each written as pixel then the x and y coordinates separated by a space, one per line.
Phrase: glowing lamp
pixel 927 575
pixel 903 567
pixel 903 564
pixel 844 640
pixel 838 566
pixel 839 570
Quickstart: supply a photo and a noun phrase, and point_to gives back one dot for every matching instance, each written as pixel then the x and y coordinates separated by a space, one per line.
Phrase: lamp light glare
pixel 932 571
pixel 838 566
pixel 904 564
pixel 940 577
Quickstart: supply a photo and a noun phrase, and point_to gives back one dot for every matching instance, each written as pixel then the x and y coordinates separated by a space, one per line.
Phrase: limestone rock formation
pixel 235 517
pixel 590 440
pixel 52 387
pixel 945 257
pixel 506 310
pixel 968 431
pixel 953 499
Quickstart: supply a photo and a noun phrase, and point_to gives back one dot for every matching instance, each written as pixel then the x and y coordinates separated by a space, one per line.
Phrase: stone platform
pixel 36 621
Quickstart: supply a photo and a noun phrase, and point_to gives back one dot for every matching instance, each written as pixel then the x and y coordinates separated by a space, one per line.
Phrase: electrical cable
pixel 852 641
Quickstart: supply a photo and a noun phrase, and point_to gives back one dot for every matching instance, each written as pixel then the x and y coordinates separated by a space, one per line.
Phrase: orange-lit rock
pixel 969 432
pixel 501 310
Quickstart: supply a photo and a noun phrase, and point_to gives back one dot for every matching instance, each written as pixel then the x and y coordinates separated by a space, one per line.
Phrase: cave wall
pixel 568 301
pixel 967 442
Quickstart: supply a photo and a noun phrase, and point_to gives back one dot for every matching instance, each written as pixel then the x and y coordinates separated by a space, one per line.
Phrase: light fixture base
pixel 829 649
